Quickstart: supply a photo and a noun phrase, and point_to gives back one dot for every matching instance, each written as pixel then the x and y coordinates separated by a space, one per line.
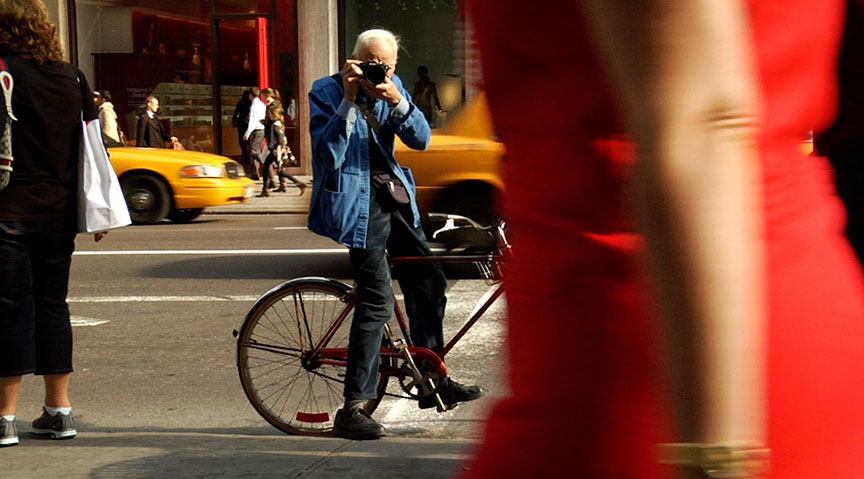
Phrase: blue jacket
pixel 340 158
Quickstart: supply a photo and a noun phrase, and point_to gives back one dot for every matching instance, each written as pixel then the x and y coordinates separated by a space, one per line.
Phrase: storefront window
pixel 431 35
pixel 166 48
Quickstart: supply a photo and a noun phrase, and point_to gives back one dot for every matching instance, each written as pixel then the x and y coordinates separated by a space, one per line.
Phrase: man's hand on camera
pixel 387 91
pixel 351 75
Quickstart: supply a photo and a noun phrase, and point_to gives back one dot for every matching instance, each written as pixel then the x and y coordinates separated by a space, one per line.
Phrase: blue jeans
pixel 35 332
pixel 423 286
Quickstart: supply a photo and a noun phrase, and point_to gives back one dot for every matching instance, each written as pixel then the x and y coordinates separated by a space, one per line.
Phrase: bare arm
pixel 684 76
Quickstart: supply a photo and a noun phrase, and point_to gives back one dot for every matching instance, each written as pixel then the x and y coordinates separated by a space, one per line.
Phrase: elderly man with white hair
pixel 363 199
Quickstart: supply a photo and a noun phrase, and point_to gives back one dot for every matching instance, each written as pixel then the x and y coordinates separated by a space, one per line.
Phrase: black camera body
pixel 374 72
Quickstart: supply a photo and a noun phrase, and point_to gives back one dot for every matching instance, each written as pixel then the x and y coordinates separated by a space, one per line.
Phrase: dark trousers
pixel 244 146
pixel 266 173
pixel 849 176
pixel 423 286
pixel 257 152
pixel 35 332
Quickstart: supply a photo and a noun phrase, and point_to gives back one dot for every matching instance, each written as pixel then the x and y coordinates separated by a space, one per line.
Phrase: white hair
pixel 369 37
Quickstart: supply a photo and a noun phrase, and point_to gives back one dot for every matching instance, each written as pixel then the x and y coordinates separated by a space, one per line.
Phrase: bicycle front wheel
pixel 287 384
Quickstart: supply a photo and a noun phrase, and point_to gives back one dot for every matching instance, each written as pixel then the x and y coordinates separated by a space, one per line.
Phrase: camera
pixel 374 72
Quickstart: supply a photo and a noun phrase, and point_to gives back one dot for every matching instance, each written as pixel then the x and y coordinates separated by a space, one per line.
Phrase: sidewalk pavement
pixel 289 202
pixel 212 453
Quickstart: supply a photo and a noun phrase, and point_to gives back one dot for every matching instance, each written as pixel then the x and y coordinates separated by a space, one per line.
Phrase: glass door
pixel 241 61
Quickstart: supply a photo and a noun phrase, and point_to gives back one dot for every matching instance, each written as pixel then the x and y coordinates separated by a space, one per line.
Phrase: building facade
pixel 198 56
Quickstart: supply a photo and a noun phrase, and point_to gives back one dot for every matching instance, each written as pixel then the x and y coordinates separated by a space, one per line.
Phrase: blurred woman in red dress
pixel 753 305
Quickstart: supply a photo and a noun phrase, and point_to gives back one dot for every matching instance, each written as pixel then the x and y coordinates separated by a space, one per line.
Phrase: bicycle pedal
pixel 398 343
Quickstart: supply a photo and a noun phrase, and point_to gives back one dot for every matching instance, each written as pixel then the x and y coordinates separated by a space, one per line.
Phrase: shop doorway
pixel 241 60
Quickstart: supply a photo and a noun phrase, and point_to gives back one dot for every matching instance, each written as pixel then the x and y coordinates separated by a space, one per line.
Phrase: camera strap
pixel 369 114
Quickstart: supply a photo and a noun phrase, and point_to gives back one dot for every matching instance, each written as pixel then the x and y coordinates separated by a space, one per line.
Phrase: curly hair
pixel 25 30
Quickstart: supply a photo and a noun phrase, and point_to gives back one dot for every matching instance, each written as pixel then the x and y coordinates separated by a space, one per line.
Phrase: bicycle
pixel 292 347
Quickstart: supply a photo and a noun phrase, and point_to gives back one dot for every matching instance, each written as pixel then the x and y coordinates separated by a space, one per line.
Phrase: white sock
pixel 9 418
pixel 54 410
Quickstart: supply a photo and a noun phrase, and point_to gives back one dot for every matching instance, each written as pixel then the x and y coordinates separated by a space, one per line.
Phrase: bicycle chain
pixel 343 382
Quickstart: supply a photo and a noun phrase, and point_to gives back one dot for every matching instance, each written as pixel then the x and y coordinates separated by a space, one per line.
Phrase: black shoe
pixel 451 393
pixel 357 424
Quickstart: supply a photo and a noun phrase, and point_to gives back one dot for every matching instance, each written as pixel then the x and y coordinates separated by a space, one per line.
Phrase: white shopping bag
pixel 101 205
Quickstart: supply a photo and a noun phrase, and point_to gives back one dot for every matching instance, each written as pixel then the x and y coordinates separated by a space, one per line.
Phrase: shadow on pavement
pixel 279 267
pixel 253 267
pixel 216 454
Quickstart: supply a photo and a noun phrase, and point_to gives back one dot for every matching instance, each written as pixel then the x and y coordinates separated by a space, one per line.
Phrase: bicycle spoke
pixel 284 383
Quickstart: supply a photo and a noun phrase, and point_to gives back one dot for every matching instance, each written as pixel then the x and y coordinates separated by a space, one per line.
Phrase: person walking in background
pixel 38 216
pixel 240 121
pixel 738 224
pixel 425 96
pixel 108 119
pixel 254 134
pixel 353 125
pixel 843 141
pixel 277 145
pixel 150 133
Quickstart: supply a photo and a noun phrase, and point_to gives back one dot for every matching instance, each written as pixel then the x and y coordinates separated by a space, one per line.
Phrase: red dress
pixel 587 401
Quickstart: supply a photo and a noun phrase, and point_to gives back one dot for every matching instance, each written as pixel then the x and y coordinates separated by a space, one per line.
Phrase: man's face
pixel 381 52
pixel 153 105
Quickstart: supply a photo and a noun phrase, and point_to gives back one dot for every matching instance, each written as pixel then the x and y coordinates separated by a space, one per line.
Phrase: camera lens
pixel 376 73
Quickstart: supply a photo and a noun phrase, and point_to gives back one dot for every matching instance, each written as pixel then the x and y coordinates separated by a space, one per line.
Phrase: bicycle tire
pixel 293 397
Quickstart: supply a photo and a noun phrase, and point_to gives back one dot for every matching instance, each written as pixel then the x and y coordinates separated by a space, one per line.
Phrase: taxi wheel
pixel 184 215
pixel 147 198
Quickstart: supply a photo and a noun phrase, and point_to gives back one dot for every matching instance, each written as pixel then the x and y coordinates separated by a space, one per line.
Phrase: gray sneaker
pixel 59 426
pixel 8 433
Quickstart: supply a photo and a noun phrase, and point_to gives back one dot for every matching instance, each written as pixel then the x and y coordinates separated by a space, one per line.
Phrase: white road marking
pixel 84 321
pixel 211 252
pixel 159 299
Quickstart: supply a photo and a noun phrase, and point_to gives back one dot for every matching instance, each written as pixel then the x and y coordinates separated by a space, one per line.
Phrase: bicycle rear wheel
pixel 286 384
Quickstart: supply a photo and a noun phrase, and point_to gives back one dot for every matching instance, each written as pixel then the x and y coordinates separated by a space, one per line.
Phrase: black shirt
pixel 48 100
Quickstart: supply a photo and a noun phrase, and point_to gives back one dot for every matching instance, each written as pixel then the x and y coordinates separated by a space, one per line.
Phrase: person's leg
pixel 423 285
pixel 255 143
pixel 299 184
pixel 17 355
pixel 256 152
pixel 57 390
pixel 10 391
pixel 373 310
pixel 244 146
pixel 374 306
pixel 265 174
pixel 52 258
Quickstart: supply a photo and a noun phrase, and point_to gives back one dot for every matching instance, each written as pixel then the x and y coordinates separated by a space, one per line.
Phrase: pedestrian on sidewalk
pixel 254 134
pixel 353 126
pixel 38 216
pixel 149 131
pixel 277 146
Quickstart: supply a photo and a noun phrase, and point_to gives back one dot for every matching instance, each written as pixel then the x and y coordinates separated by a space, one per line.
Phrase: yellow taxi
pixel 161 183
pixel 462 170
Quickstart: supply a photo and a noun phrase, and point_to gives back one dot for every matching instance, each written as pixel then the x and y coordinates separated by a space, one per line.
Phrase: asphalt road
pixel 154 308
